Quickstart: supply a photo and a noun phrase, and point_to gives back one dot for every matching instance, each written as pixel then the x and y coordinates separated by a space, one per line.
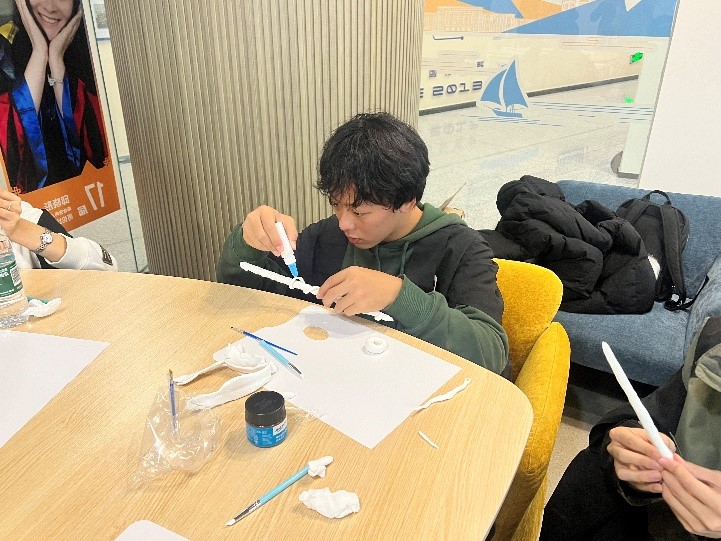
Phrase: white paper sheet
pixel 144 530
pixel 33 369
pixel 364 396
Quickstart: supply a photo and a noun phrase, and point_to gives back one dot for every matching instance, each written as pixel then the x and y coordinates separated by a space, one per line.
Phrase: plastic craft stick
pixel 299 283
pixel 636 404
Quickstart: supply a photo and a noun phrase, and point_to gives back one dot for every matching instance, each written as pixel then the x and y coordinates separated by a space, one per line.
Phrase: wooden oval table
pixel 67 474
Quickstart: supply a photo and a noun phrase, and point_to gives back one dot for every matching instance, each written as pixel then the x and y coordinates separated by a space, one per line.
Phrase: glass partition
pixel 122 229
pixel 555 89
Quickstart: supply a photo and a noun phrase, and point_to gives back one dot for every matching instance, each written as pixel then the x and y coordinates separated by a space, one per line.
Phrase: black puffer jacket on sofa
pixel 599 257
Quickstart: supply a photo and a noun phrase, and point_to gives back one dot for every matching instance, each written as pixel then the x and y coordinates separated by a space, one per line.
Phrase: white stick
pixel 446 396
pixel 299 283
pixel 636 404
pixel 430 442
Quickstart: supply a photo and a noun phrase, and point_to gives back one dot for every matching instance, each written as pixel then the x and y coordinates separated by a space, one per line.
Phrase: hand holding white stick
pixel 299 283
pixel 643 416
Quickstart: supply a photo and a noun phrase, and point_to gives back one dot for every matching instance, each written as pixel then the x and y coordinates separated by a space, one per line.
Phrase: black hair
pixel 380 157
pixel 78 60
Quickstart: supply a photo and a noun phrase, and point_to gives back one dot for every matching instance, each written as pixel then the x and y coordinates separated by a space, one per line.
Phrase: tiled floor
pixel 571 135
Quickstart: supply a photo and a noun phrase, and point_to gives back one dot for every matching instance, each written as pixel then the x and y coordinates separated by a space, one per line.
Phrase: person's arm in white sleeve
pixel 22 224
pixel 84 254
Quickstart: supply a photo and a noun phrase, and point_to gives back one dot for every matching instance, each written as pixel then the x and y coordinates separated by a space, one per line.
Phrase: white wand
pixel 636 404
pixel 299 283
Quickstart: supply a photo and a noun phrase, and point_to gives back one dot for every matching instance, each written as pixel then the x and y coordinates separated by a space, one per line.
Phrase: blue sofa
pixel 651 346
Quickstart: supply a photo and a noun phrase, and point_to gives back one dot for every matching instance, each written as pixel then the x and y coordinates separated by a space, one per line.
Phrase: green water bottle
pixel 13 301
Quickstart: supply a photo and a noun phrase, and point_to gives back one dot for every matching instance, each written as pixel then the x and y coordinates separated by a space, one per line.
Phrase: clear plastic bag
pixel 185 447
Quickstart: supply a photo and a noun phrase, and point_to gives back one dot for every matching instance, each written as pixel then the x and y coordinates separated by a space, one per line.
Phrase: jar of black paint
pixel 266 423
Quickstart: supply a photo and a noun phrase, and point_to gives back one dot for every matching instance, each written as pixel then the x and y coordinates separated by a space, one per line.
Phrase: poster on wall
pixel 54 145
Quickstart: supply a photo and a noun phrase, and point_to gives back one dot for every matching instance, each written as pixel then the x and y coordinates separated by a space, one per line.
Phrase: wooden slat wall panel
pixel 227 104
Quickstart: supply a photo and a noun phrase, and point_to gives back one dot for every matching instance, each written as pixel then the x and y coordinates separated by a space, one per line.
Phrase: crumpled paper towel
pixel 38 308
pixel 331 504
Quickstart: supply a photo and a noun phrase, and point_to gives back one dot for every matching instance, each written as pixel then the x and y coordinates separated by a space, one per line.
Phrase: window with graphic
pixel 553 88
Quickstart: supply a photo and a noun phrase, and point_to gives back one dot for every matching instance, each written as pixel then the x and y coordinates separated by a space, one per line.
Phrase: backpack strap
pixel 647 197
pixel 636 207
pixel 672 249
pixel 678 304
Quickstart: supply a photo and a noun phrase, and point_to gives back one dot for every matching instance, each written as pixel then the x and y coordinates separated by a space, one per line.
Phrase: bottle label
pixel 10 282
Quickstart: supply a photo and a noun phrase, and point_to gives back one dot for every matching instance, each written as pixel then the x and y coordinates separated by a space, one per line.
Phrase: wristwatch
pixel 45 239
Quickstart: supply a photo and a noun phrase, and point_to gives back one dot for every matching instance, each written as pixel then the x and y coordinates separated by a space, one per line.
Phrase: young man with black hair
pixel 383 249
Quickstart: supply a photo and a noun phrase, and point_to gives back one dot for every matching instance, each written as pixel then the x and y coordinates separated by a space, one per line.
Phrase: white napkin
pixel 38 308
pixel 234 388
pixel 331 504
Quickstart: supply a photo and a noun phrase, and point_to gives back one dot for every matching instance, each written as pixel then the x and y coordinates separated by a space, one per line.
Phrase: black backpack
pixel 664 230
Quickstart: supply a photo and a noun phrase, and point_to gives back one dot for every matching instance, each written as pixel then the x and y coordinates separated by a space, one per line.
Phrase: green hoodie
pixel 449 295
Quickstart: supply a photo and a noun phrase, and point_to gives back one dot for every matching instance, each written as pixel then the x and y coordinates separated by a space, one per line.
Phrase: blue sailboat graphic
pixel 503 90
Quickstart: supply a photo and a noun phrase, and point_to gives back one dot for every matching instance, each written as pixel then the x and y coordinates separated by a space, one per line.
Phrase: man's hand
pixel 635 459
pixel 694 495
pixel 259 230
pixel 356 290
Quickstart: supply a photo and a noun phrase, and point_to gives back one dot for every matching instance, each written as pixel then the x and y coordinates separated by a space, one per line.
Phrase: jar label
pixel 10 282
pixel 267 436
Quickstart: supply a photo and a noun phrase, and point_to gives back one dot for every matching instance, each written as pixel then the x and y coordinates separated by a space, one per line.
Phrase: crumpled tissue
pixel 331 504
pixel 316 468
pixel 39 308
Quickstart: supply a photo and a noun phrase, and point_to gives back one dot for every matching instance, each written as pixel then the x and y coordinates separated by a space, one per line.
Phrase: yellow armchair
pixel 541 353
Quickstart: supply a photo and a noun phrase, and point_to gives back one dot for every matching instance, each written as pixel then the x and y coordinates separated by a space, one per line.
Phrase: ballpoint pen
pixel 259 339
pixel 287 253
pixel 279 357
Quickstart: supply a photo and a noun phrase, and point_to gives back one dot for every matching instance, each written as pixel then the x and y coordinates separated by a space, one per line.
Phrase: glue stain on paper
pixel 316 333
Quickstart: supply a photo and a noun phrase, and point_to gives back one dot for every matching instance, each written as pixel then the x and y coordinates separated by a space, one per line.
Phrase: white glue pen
pixel 287 253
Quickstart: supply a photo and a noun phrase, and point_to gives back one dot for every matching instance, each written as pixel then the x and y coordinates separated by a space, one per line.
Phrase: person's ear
pixel 408 205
